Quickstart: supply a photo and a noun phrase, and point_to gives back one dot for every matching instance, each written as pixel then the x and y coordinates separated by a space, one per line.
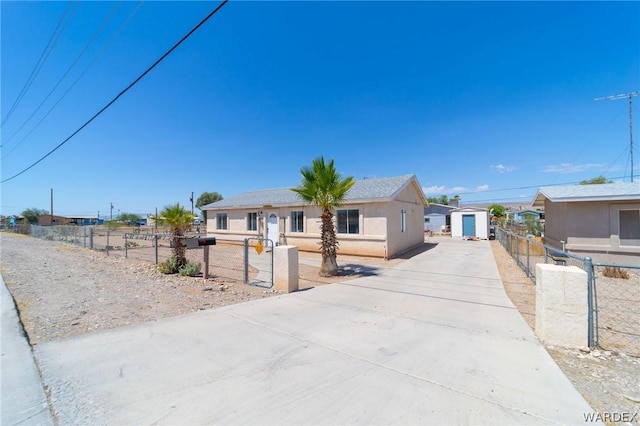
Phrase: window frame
pixel 297 223
pixel 220 217
pixel 403 221
pixel 350 224
pixel 628 222
pixel 252 219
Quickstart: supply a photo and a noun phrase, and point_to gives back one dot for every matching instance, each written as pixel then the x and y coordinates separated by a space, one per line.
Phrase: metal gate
pixel 258 262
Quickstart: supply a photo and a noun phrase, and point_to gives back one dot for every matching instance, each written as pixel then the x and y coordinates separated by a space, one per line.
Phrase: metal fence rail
pixel 226 259
pixel 613 303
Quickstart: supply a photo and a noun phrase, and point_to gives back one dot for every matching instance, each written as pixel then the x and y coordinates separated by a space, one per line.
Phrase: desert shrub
pixel 615 272
pixel 191 269
pixel 169 266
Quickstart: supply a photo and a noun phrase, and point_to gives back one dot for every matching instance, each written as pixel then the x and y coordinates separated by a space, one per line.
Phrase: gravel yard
pixel 63 290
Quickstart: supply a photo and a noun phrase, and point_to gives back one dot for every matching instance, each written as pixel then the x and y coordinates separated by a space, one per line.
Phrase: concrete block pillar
pixel 285 268
pixel 561 305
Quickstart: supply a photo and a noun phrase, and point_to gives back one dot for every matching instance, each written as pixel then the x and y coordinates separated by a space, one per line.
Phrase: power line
pixel 55 36
pixel 95 58
pixel 167 53
pixel 61 79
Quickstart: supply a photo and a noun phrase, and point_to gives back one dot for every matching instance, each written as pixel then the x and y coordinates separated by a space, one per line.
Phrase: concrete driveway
pixel 433 341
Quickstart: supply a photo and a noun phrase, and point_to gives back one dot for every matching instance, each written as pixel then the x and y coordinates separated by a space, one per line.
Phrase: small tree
pixel 599 180
pixel 322 186
pixel 207 198
pixel 130 218
pixel 31 215
pixel 179 220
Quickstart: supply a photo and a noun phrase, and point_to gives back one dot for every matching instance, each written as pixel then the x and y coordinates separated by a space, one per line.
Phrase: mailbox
pixel 208 241
pixel 192 243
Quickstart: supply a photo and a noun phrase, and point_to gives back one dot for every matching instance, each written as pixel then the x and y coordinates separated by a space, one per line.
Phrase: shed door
pixel 468 225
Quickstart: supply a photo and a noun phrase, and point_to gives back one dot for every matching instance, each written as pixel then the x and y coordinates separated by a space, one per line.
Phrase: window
pixel 252 221
pixel 221 221
pixel 427 220
pixel 630 227
pixel 297 221
pixel 349 221
pixel 403 220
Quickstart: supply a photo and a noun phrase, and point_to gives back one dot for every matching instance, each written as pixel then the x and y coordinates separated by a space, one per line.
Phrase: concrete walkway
pixel 433 341
pixel 22 398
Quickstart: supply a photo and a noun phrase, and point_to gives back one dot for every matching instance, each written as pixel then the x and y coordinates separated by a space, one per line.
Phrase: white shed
pixel 470 222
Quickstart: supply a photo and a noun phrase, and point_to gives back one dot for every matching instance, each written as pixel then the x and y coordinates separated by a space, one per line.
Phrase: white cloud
pixel 440 190
pixel 482 188
pixel 566 168
pixel 502 168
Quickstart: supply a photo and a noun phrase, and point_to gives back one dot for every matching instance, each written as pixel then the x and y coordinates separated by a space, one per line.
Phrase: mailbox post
pixel 205 242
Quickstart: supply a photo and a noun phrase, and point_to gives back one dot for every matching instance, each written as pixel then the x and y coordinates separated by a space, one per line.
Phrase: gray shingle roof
pixel 367 190
pixel 574 193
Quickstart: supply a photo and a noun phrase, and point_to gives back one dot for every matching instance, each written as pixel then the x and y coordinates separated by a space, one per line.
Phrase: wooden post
pixel 206 262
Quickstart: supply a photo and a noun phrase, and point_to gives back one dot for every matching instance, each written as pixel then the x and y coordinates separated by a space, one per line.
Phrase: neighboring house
pixel 437 217
pixel 470 222
pixel 46 219
pixel 594 219
pixel 524 215
pixel 379 217
pixel 82 220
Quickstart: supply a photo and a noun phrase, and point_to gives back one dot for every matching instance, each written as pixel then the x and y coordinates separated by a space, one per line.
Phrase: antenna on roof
pixel 629 95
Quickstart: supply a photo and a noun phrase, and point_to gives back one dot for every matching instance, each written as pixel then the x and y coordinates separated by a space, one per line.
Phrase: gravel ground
pixel 63 291
pixel 608 380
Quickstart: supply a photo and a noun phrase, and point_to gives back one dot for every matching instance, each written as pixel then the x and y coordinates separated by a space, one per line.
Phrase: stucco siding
pixel 588 226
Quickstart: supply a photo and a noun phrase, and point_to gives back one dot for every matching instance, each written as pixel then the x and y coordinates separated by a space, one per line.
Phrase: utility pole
pixel 629 95
pixel 191 203
pixel 51 216
pixel 111 213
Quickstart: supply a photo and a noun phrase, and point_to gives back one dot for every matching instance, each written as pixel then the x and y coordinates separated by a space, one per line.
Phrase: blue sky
pixel 487 100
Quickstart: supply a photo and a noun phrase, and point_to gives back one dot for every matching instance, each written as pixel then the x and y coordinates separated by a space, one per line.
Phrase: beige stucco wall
pixel 588 227
pixel 379 226
pixel 413 235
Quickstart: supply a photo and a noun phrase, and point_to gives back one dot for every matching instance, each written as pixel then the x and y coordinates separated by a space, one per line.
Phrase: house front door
pixel 272 228
pixel 468 225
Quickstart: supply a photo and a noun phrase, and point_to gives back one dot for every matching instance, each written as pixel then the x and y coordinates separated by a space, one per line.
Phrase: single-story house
pixel 47 219
pixel 470 222
pixel 437 217
pixel 599 220
pixel 380 217
pixel 524 215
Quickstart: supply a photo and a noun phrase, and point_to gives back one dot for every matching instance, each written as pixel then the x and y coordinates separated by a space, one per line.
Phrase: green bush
pixel 169 266
pixel 191 269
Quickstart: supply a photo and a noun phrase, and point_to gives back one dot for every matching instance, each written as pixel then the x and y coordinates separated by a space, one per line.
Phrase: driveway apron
pixel 432 341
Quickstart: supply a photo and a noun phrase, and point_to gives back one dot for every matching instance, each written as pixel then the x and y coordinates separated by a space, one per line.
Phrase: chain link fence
pixel 226 258
pixel 614 290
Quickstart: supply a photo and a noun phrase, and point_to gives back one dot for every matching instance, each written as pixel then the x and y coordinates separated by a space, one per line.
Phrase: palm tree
pixel 322 186
pixel 179 220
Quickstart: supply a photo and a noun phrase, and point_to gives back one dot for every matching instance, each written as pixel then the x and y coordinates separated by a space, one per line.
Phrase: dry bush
pixel 615 272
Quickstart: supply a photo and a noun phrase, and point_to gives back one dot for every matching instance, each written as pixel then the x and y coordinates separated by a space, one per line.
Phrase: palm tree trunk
pixel 328 245
pixel 179 250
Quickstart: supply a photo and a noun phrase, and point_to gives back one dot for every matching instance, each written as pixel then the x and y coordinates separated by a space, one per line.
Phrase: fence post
pixel 107 247
pixel 84 237
pixel 126 245
pixel 529 274
pixel 588 265
pixel 246 260
pixel 91 238
pixel 155 244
